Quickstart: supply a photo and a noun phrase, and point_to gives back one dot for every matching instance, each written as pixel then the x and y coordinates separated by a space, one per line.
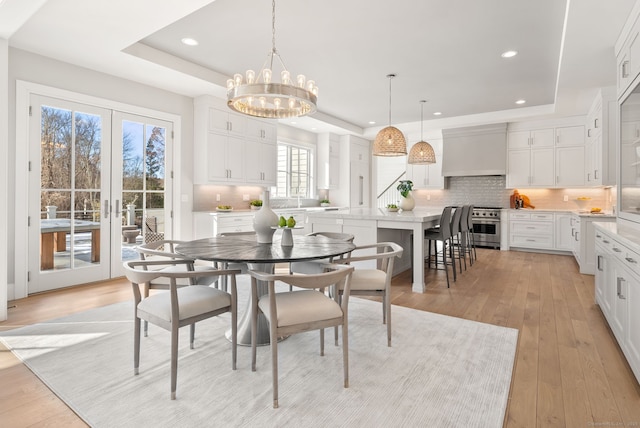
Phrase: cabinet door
pixel 570 166
pixel 519 164
pixel 620 307
pixel 359 189
pixel 601 278
pixel 269 163
pixel 253 161
pixel 235 159
pixel 633 325
pixel 419 175
pixel 334 171
pixel 217 157
pixel 564 240
pixel 542 138
pixel 542 167
pixel 519 139
pixel 218 120
pixel 434 174
pixel 570 136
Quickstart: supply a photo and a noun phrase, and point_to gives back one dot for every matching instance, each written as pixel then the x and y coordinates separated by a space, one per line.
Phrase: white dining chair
pixel 292 312
pixel 179 307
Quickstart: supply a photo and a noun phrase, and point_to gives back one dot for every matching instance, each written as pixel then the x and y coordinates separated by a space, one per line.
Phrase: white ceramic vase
pixel 407 204
pixel 264 221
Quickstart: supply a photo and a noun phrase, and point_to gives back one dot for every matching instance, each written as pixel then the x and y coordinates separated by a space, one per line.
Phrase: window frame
pixel 311 165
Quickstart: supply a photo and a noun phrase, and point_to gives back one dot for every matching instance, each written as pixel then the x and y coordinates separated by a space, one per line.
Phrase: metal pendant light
pixel 390 141
pixel 422 153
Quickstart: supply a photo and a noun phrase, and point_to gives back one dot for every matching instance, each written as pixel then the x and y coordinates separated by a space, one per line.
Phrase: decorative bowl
pixel 392 210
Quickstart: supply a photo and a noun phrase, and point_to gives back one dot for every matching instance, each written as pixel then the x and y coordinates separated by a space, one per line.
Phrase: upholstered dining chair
pixel 180 306
pixel 292 312
pixel 164 250
pixel 374 281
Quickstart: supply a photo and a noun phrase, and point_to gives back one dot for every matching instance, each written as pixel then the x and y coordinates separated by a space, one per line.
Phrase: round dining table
pixel 261 257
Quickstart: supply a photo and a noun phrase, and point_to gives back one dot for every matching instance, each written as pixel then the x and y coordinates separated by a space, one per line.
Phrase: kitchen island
pixel 370 225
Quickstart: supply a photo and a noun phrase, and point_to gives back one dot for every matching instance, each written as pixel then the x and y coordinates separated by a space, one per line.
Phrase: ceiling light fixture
pixel 422 153
pixel 521 101
pixel 390 141
pixel 438 113
pixel 189 41
pixel 509 54
pixel 258 96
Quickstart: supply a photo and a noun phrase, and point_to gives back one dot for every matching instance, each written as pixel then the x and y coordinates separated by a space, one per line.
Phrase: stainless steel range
pixel 486 226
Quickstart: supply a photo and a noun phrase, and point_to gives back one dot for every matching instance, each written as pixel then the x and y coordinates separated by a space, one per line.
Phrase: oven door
pixel 484 227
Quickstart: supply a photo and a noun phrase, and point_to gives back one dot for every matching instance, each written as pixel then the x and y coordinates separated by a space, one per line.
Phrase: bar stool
pixel 468 237
pixel 441 234
pixel 464 233
pixel 456 242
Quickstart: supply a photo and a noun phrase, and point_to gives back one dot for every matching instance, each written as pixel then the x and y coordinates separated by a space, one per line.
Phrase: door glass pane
pixel 143 185
pixel 70 160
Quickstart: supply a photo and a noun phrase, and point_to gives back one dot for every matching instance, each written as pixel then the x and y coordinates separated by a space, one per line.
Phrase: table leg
pixel 61 241
pixel 46 251
pixel 95 246
pixel 244 324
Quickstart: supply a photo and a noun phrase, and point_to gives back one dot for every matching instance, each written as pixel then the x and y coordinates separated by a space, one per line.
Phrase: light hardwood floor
pixel 569 370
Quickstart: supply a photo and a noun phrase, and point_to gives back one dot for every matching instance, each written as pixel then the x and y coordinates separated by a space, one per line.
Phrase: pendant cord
pixel 273 33
pixel 390 77
pixel 422 119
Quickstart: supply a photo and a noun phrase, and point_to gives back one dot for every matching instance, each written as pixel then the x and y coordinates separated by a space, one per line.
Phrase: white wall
pixel 4 143
pixel 29 67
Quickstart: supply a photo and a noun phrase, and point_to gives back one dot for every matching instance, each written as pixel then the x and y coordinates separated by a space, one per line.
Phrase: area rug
pixel 440 372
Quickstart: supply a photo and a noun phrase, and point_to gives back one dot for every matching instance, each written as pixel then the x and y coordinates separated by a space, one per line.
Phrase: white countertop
pixel 605 214
pixel 416 215
pixel 628 236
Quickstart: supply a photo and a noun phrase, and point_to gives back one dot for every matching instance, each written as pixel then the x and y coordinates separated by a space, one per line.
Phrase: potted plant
pixel 325 203
pixel 256 204
pixel 406 202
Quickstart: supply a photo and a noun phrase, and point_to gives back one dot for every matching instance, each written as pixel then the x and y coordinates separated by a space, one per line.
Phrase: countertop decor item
pixel 422 153
pixel 260 97
pixel 255 204
pixel 583 202
pixel 325 203
pixel 407 203
pixel 390 141
pixel 264 221
pixel 224 208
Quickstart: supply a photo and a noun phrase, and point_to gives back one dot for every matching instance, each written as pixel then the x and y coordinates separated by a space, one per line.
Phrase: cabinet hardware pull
pixel 605 241
pixel 589 132
pixel 588 176
pixel 595 123
pixel 598 236
pixel 531 240
pixel 619 288
pixel 630 260
pixel 117 208
pixel 617 250
pixel 625 72
pixel 106 208
pixel 598 264
pixel 595 174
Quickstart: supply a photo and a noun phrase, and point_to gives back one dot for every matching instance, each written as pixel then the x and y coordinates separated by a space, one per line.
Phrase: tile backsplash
pixel 491 191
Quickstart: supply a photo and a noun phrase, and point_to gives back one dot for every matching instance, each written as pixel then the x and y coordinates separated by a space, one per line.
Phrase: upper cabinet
pixel 600 139
pixel 628 52
pixel 230 148
pixel 546 153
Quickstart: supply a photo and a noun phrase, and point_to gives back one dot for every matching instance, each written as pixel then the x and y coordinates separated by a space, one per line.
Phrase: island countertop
pixel 417 215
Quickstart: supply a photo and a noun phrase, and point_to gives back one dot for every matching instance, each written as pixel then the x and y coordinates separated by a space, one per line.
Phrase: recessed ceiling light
pixel 438 113
pixel 509 54
pixel 521 101
pixel 313 129
pixel 189 41
pixel 293 123
pixel 372 122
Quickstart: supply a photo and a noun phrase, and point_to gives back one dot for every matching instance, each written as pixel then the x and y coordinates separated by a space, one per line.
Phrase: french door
pixel 96 190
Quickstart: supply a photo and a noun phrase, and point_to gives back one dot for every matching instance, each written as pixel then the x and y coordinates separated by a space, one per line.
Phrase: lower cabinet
pixel 618 291
pixel 531 230
pixel 365 232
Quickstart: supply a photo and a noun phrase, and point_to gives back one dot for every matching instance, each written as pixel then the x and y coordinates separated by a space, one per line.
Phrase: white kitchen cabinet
pixel 628 55
pixel 563 238
pixel 225 156
pixel 530 138
pixel 570 166
pixel 618 290
pixel 226 122
pixel 600 153
pixel 583 233
pixel 230 148
pixel 355 168
pixel 531 230
pixel 550 154
pixel 328 155
pixel 261 160
pixel 232 222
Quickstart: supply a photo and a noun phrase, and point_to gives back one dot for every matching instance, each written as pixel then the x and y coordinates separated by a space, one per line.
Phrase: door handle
pixel 117 213
pixel 106 208
pixel 619 288
pixel 361 178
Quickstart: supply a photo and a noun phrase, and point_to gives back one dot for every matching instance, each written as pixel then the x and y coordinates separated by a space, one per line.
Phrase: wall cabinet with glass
pixel 428 176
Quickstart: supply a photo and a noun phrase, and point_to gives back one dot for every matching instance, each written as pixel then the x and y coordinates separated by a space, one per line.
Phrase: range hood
pixel 474 150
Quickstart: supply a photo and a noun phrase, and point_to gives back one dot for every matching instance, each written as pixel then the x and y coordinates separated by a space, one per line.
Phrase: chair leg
pixel 387 309
pixel 136 345
pixel 444 260
pixel 322 342
pixel 192 334
pixel 254 331
pixel 453 260
pixel 174 360
pixel 345 351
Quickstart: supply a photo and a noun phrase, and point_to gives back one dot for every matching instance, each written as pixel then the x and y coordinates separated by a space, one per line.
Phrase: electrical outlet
pixel 245 197
pixel 566 198
pixel 218 197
